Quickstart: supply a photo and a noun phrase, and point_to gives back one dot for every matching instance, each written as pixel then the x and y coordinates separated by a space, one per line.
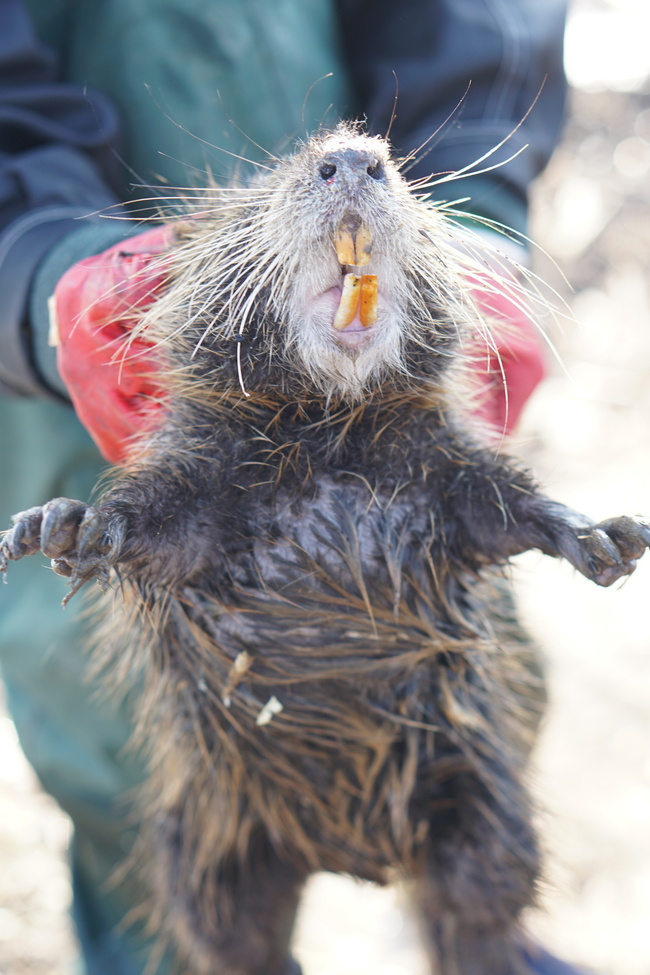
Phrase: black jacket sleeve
pixel 57 163
pixel 468 75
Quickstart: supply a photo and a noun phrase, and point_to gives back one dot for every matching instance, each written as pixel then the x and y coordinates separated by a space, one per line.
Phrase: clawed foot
pixel 609 550
pixel 72 534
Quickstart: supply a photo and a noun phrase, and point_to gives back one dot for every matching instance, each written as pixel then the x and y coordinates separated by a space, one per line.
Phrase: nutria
pixel 307 565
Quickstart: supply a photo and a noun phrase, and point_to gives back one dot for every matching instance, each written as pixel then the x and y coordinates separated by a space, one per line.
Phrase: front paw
pixel 72 534
pixel 610 549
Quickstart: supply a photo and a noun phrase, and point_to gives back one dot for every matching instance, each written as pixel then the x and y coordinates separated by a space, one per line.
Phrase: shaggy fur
pixel 305 559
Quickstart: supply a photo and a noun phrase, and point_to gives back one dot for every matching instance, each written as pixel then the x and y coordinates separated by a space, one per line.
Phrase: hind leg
pixel 478 874
pixel 234 918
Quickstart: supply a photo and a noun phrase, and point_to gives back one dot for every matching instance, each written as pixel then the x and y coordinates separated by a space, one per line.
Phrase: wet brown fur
pixel 333 544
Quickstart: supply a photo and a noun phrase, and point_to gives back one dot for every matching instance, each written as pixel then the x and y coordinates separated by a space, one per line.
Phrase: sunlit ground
pixel 587 434
pixel 589 437
pixel 606 45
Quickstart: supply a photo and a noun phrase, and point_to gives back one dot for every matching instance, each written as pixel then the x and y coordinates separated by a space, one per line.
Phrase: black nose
pixel 352 164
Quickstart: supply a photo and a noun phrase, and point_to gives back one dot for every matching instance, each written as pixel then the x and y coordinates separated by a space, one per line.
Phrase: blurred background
pixel 586 433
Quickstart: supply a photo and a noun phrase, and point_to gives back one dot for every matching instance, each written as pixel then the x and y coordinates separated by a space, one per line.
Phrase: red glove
pixel 113 387
pixel 517 364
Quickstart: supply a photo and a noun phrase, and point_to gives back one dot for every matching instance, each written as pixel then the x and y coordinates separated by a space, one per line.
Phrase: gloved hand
pixel 112 384
pixel 507 373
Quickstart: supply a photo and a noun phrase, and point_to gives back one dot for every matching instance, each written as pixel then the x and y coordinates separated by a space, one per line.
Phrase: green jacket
pixel 178 74
pixel 100 102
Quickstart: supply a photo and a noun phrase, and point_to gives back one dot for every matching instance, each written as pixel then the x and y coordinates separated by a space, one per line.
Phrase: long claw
pixel 24 538
pixel 91 534
pixel 610 549
pixel 74 537
pixel 61 518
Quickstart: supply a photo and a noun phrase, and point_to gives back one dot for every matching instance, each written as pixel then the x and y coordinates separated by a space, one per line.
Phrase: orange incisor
pixel 359 294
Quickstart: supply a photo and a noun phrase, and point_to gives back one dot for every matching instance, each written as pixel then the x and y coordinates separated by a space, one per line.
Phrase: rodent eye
pixel 376 170
pixel 327 170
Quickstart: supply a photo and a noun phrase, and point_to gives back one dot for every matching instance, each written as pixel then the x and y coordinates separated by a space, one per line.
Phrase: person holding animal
pixel 184 78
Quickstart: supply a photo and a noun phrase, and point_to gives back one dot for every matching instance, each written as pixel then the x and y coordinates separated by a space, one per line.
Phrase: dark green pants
pixel 74 736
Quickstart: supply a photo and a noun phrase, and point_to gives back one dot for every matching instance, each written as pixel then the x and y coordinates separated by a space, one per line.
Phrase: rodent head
pixel 328 274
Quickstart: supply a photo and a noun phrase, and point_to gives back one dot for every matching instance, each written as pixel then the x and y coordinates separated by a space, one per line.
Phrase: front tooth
pixel 349 302
pixel 353 243
pixel 368 303
pixel 363 246
pixel 344 244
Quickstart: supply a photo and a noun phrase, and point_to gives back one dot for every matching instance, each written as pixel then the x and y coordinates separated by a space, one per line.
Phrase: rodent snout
pixel 353 164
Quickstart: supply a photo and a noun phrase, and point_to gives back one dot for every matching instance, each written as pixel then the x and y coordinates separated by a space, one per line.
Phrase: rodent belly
pixel 336 721
pixel 337 602
pixel 347 542
pixel 324 678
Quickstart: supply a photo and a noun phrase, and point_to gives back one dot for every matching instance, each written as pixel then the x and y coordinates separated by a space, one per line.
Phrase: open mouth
pixel 357 307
